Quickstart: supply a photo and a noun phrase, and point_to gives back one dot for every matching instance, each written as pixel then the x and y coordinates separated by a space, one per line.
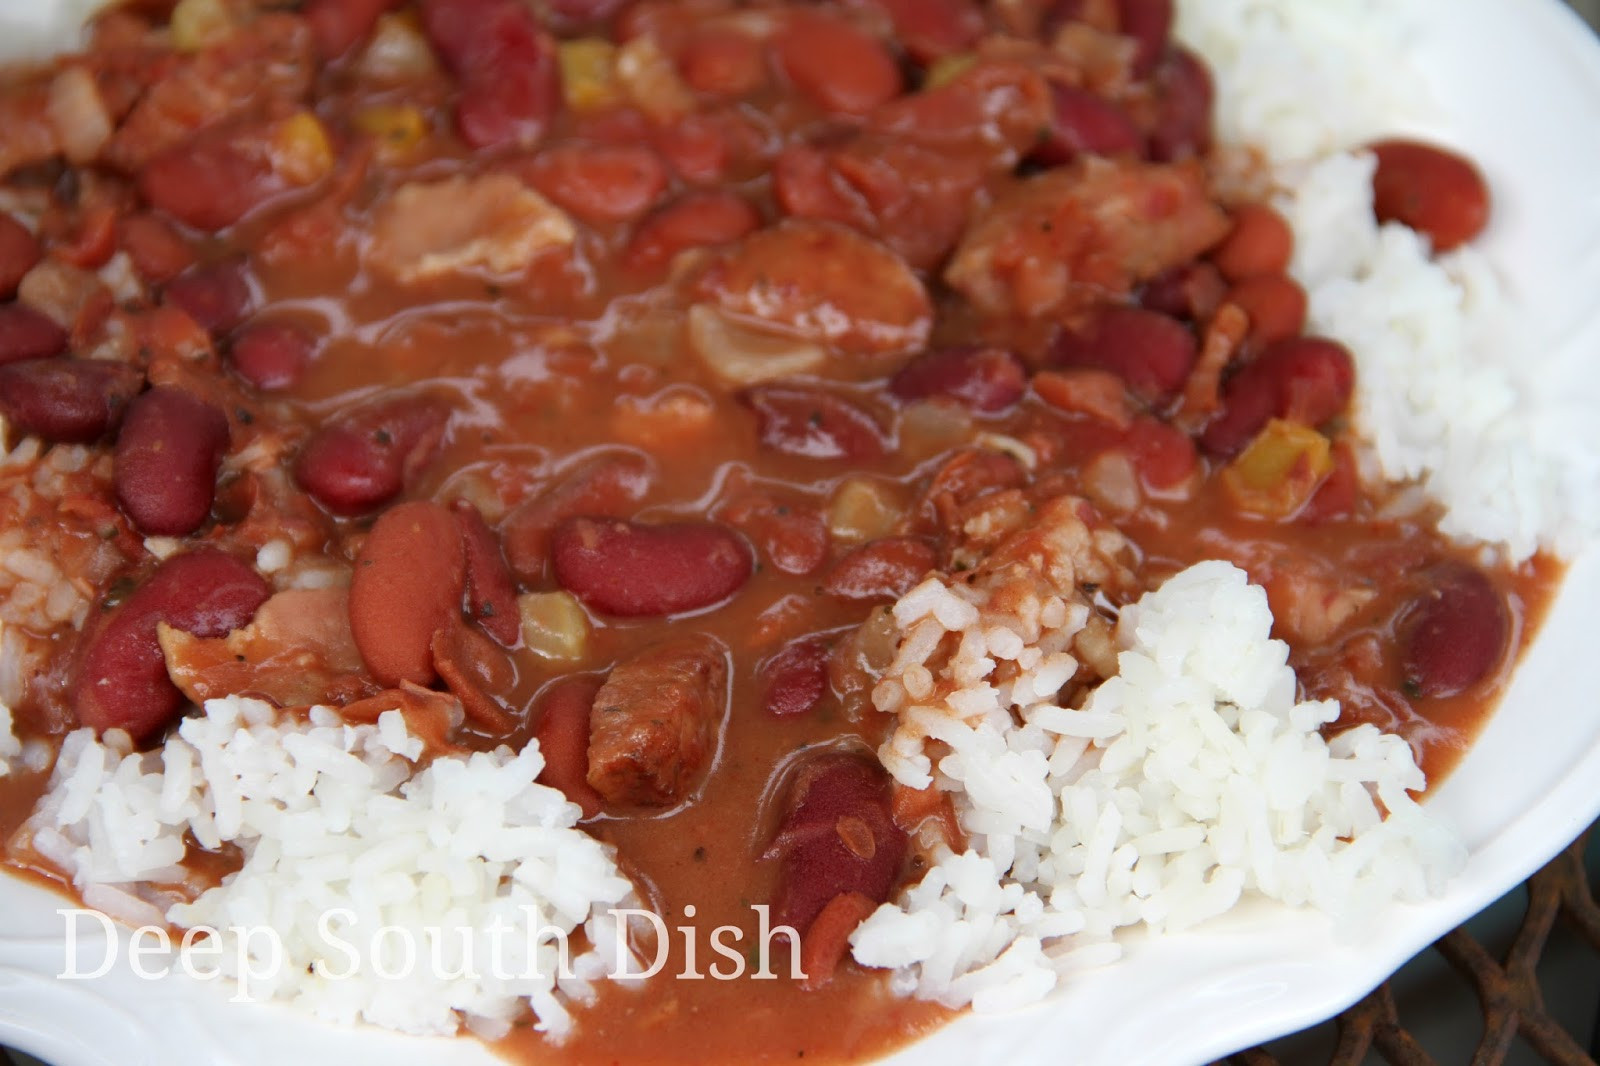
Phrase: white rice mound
pixel 332 817
pixel 1448 394
pixel 1187 781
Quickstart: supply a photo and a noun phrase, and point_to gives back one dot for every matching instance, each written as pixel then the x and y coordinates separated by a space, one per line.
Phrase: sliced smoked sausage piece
pixel 653 724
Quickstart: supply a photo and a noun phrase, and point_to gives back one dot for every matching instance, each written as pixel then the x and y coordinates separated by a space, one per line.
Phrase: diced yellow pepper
pixel 589 73
pixel 947 69
pixel 197 23
pixel 554 625
pixel 1279 471
pixel 301 151
pixel 397 128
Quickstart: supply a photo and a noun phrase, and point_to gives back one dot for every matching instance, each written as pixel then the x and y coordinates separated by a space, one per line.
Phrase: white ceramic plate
pixel 1520 88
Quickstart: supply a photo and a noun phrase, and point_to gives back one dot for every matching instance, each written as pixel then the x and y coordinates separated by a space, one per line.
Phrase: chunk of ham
pixel 1066 240
pixel 492 223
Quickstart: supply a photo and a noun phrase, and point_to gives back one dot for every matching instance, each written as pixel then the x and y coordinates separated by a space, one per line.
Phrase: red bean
pixel 213 179
pixel 600 182
pixel 884 569
pixel 1184 95
pixel 19 253
pixel 1192 292
pixel 988 380
pixel 563 736
pixel 1149 23
pixel 1454 633
pixel 271 355
pixel 1304 379
pixel 1434 191
pixel 931 29
pixel 121 677
pixel 406 587
pixel 634 570
pixel 1275 304
pixel 491 593
pixel 1261 242
pixel 835 65
pixel 69 401
pixel 1150 351
pixel 338 25
pixel 1084 124
pixel 217 296
pixel 796 678
pixel 813 424
pixel 26 334
pixel 510 84
pixel 1164 455
pixel 790 536
pixel 698 220
pixel 158 253
pixel 836 836
pixel 168 452
pixel 609 486
pixel 723 61
pixel 365 459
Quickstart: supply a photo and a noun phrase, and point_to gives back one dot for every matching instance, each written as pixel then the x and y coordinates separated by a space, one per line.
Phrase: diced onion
pixel 741 355
pixel 78 114
pixel 554 625
pixel 198 23
pixel 397 51
pixel 862 509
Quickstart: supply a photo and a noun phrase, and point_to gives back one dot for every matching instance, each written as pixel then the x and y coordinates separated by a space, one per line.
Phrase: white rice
pixel 1187 781
pixel 1446 395
pixel 336 820
pixel 10 746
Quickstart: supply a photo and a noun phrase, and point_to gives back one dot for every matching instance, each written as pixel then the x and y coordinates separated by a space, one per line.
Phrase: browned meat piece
pixel 1068 239
pixel 823 282
pixel 654 722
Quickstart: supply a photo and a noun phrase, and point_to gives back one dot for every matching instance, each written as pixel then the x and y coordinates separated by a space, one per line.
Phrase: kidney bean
pixel 67 401
pixel 813 424
pixel 1275 304
pixel 1150 351
pixel 838 67
pixel 792 537
pixel 510 82
pixel 1149 23
pixel 698 220
pixel 271 355
pixel 1164 455
pixel 634 570
pixel 723 61
pixel 473 667
pixel 19 253
pixel 158 253
pixel 988 380
pixel 1305 379
pixel 1436 192
pixel 1192 292
pixel 608 487
pixel 216 295
pixel 338 25
pixel 168 452
pixel 883 569
pixel 1084 124
pixel 1260 242
pixel 600 183
pixel 932 29
pixel 406 587
pixel 121 677
pixel 1454 633
pixel 1184 96
pixel 364 459
pixel 563 735
pixel 796 678
pixel 213 179
pixel 837 835
pixel 26 334
pixel 491 593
